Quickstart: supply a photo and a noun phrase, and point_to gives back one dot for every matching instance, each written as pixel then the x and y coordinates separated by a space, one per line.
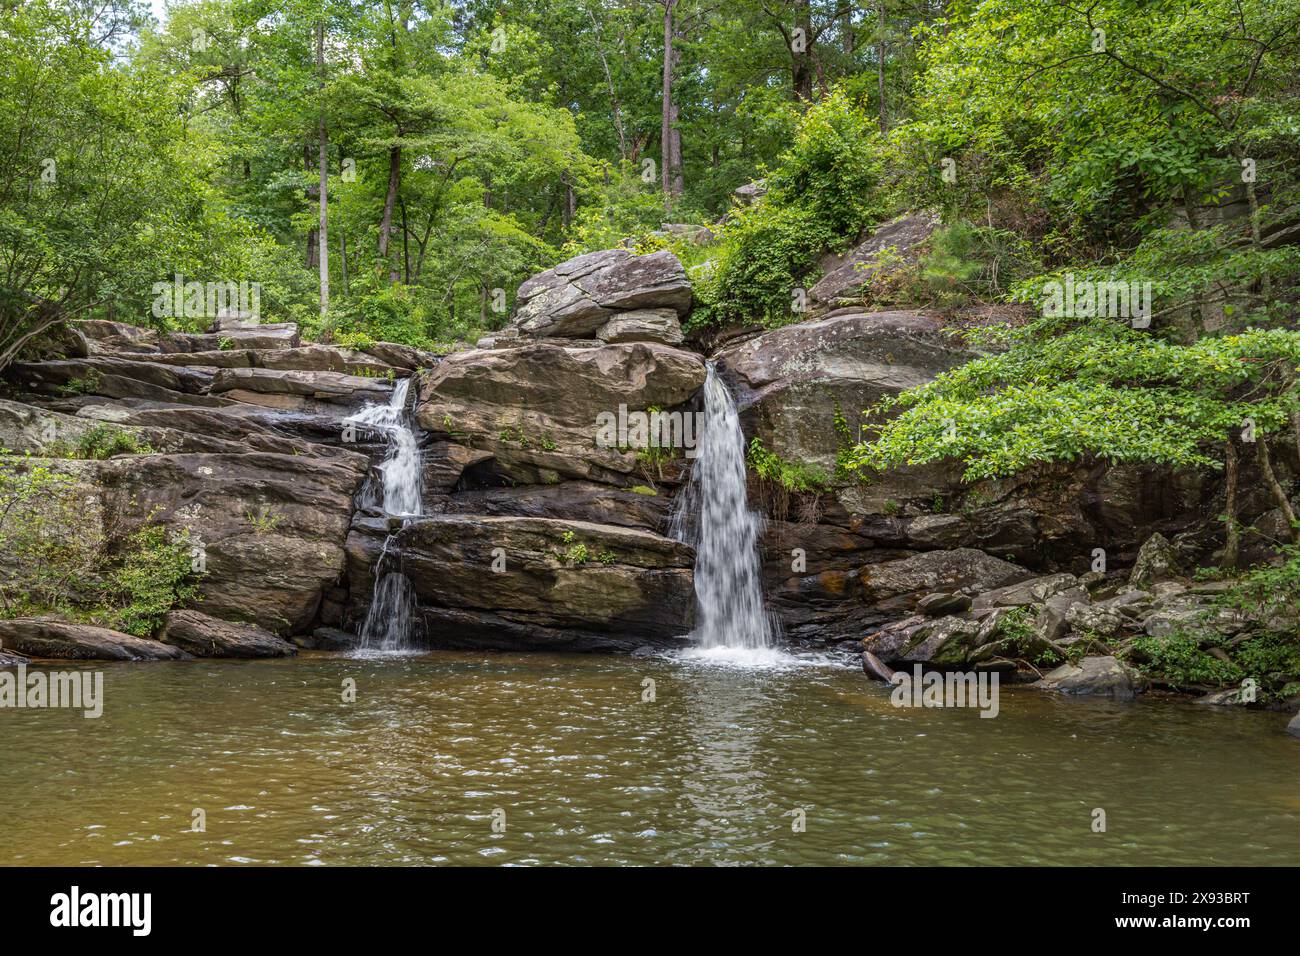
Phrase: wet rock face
pixel 579 296
pixel 535 583
pixel 537 408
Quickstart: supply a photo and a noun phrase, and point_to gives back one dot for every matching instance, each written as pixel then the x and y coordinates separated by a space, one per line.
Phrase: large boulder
pixel 59 640
pixel 203 636
pixel 537 408
pixel 790 382
pixel 577 297
pixel 893 245
pixel 534 583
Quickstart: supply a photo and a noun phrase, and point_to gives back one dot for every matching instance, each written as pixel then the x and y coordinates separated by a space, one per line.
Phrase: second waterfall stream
pixel 390 622
pixel 714 515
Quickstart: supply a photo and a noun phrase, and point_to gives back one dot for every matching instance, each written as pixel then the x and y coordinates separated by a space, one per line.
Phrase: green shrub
pixel 105 441
pixel 1177 659
pixel 49 547
pixel 153 577
pixel 56 559
pixel 823 193
pixel 790 475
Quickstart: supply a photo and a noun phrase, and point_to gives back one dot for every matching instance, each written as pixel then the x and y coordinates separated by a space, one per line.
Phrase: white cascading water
pixel 400 471
pixel 389 623
pixel 715 517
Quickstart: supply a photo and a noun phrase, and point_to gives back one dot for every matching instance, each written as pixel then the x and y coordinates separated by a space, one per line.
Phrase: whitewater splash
pixel 390 622
pixel 715 517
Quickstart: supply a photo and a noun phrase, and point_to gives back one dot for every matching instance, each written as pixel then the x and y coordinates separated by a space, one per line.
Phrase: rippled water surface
pixel 587 771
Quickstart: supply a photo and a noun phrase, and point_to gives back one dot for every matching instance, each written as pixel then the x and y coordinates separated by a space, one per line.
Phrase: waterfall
pixel 390 622
pixel 400 470
pixel 714 515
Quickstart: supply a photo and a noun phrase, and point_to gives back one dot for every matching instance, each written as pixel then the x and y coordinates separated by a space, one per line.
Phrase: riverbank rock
pixel 1093 677
pixel 59 640
pixel 534 583
pixel 1293 728
pixel 901 584
pixel 203 636
pixel 578 296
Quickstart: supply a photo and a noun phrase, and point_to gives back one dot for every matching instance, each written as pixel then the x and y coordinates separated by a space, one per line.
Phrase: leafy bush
pixel 153 577
pixel 821 196
pixel 104 441
pixel 1062 391
pixel 49 547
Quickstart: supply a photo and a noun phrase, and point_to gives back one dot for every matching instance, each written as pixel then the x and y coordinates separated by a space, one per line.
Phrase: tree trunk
pixel 324 180
pixel 1275 488
pixel 1252 200
pixel 390 201
pixel 880 67
pixel 801 72
pixel 406 253
pixel 343 261
pixel 1232 540
pixel 666 125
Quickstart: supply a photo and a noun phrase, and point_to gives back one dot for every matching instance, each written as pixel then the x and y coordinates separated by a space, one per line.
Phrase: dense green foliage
pixel 1097 389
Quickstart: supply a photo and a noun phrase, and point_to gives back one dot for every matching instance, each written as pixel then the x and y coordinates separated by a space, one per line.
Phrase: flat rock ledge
pixel 59 640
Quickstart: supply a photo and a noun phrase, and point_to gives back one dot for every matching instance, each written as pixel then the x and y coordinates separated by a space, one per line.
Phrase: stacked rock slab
pixel 612 295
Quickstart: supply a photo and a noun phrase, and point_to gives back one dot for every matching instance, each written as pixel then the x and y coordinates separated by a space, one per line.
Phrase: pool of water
pixel 466 758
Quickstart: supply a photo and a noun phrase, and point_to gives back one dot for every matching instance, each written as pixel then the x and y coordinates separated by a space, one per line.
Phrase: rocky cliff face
pixel 537 530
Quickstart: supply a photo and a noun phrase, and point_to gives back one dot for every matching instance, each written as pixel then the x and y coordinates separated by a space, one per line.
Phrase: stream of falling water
pixel 389 624
pixel 716 518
